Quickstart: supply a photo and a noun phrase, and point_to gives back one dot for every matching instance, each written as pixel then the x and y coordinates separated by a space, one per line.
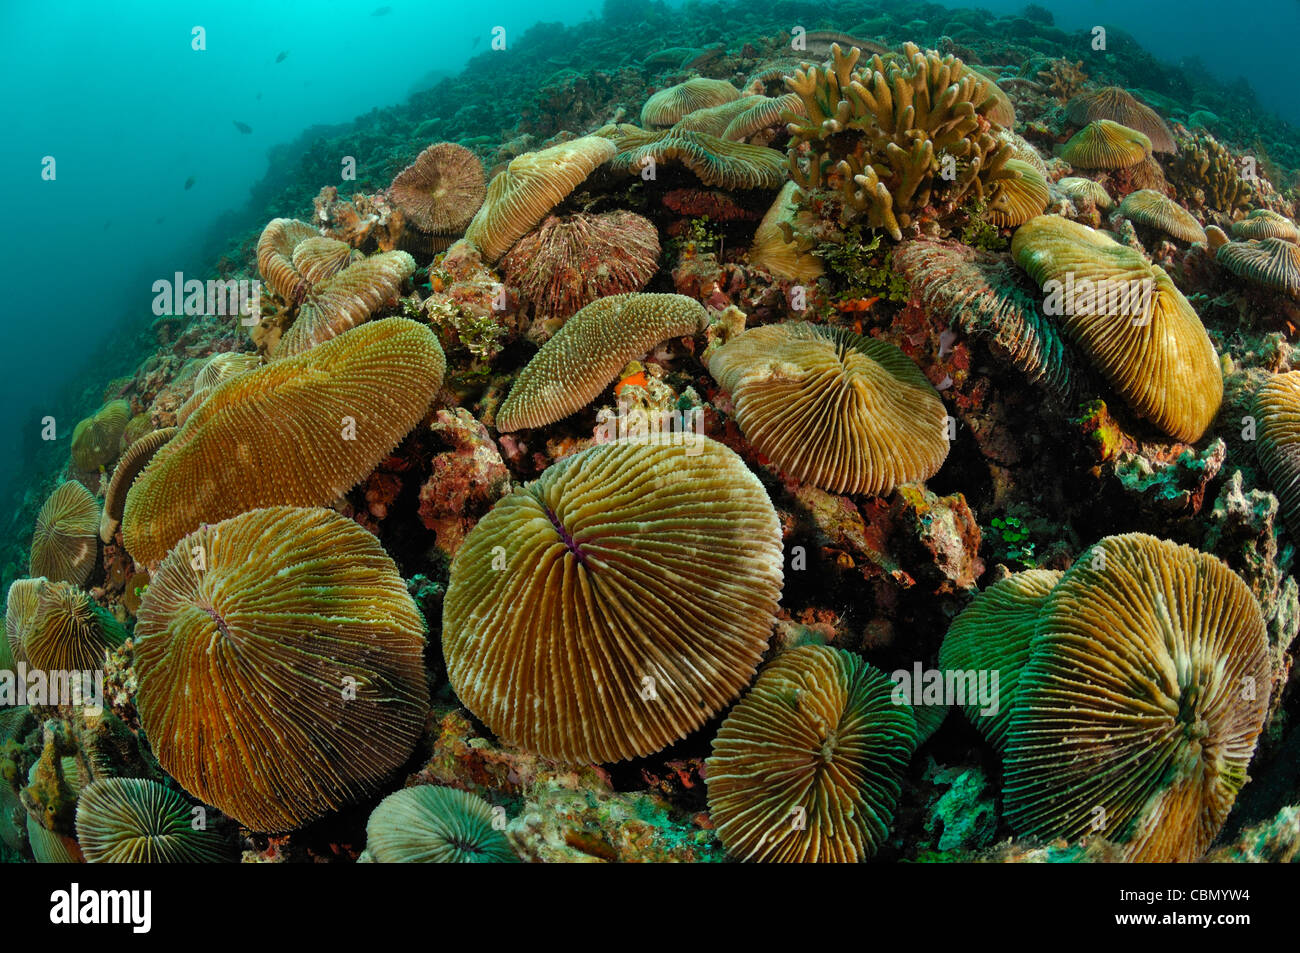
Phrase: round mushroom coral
pixel 1271 263
pixel 1157 210
pixel 847 413
pixel 280 663
pixel 347 403
pixel 993 634
pixel 530 186
pixel 1120 106
pixel 669 105
pixel 275 247
pixel 435 825
pixel 1139 708
pixel 441 190
pixel 770 250
pixel 569 262
pixel 617 603
pixel 1265 223
pixel 63 545
pixel 585 355
pixel 807 766
pixel 138 821
pixel 1129 319
pixel 96 439
pixel 1103 144
pixel 68 632
pixel 1018 194
pixel 1277 410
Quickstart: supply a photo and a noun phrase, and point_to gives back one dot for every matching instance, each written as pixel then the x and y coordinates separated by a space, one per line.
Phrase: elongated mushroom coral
pixel 669 105
pixel 1277 412
pixel 1156 210
pixel 1103 144
pixel 1120 106
pixel 1128 318
pixel 300 431
pixel 847 413
pixel 617 603
pixel 807 766
pixel 585 355
pixel 1271 263
pixel 280 665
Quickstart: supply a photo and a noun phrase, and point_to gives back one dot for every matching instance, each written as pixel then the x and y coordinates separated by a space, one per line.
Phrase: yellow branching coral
pixel 1204 172
pixel 669 105
pixel 441 190
pixel 773 251
pixel 96 440
pixel 1129 319
pixel 847 413
pixel 585 356
pixel 300 431
pixel 993 634
pixel 1159 211
pixel 713 160
pixel 1271 263
pixel 530 186
pixel 807 767
pixel 1121 106
pixel 900 135
pixel 1018 195
pixel 1103 144
pixel 124 474
pixel 617 603
pixel 1139 708
pixel 63 545
pixel 345 300
pixel 285 677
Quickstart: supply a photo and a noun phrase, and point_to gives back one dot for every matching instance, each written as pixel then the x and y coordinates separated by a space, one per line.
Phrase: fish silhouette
pixel 258 96
pixel 242 127
pixel 476 39
pixel 189 183
pixel 381 12
pixel 281 57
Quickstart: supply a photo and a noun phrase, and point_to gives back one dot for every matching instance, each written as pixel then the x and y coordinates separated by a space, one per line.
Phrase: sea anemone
pixel 347 403
pixel 617 603
pixel 68 632
pixel 137 821
pixel 63 545
pixel 1265 223
pixel 1120 106
pixel 1129 319
pixel 124 474
pixel 1156 210
pixel 1272 263
pixel 807 766
pixel 345 300
pixel 435 825
pixel 441 190
pixel 1139 708
pixel 569 262
pixel 1277 411
pixel 585 356
pixel 847 413
pixel 284 678
pixel 95 440
pixel 530 186
pixel 993 634
pixel 1018 195
pixel 1103 144
pixel 669 105
pixel 714 161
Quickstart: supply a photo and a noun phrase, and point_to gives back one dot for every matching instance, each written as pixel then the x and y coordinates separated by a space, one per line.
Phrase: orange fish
pixel 636 380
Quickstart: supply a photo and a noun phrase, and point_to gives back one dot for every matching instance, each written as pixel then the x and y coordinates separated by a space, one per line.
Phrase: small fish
pixel 108 223
pixel 159 220
pixel 243 127
pixel 381 12
pixel 477 37
pixel 258 96
pixel 189 183
pixel 281 57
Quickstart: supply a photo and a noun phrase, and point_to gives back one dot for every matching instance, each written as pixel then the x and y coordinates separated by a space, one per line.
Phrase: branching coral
pixel 1203 172
pixel 897 137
